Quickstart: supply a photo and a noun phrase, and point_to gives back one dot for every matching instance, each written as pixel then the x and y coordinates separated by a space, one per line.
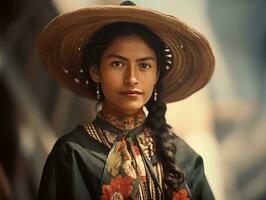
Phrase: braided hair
pixel 165 147
pixel 164 141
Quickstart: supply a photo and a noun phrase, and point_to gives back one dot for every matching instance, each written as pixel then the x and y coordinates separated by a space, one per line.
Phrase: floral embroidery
pixel 128 169
pixel 136 148
pixel 120 188
pixel 125 165
pixel 114 166
pixel 122 121
pixel 143 178
pixel 146 142
pixel 118 157
pixel 141 167
pixel 182 194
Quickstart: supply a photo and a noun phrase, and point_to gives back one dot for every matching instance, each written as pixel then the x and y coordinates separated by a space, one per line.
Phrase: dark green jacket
pixel 74 167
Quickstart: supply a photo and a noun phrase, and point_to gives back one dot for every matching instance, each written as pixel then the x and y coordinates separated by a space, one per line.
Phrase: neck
pixel 121 120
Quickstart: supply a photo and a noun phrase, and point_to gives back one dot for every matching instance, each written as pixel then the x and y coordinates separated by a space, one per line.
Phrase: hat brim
pixel 61 42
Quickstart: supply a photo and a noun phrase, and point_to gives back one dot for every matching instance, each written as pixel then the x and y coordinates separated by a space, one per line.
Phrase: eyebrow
pixel 123 58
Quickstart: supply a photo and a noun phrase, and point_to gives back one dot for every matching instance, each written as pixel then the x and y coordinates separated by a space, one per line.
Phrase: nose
pixel 131 76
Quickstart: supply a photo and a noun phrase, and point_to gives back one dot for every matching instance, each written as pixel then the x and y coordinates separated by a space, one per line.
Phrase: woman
pixel 128 58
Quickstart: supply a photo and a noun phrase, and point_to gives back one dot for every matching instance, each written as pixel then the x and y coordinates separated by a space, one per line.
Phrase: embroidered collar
pixel 124 122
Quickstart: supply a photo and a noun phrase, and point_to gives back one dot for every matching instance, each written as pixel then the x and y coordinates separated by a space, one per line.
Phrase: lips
pixel 131 92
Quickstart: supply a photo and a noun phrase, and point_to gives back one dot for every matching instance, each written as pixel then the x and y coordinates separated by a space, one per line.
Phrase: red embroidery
pixel 120 188
pixel 182 194
pixel 137 151
pixel 120 120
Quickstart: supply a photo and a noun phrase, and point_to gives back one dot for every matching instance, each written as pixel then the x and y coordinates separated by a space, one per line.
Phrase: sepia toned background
pixel 225 122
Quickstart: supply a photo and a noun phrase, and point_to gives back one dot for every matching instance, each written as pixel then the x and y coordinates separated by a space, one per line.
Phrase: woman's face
pixel 127 75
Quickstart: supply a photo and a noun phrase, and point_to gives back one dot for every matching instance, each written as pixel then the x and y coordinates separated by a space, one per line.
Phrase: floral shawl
pixel 129 172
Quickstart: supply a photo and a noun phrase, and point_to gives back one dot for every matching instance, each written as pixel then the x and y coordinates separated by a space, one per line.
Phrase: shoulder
pixel 192 165
pixel 183 148
pixel 78 141
pixel 76 136
pixel 186 157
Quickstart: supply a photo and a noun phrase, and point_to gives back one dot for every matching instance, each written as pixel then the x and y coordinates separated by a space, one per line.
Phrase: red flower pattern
pixel 137 151
pixel 120 188
pixel 182 194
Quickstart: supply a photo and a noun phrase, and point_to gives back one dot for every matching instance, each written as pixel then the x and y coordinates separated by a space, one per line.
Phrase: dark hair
pixel 165 147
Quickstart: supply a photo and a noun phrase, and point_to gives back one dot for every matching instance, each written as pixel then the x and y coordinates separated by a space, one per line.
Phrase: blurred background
pixel 225 122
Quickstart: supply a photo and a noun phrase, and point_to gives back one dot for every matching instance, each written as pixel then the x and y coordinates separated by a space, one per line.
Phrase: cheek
pixel 148 85
pixel 149 80
pixel 110 83
pixel 149 91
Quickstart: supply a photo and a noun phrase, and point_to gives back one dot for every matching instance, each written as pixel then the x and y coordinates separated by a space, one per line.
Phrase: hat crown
pixel 127 3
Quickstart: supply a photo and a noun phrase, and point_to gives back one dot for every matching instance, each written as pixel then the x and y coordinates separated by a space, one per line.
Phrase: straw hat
pixel 191 60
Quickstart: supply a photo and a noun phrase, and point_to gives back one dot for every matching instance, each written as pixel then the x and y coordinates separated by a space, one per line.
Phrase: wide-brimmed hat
pixel 61 43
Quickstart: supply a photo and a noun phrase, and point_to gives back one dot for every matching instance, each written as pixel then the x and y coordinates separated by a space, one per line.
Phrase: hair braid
pixel 165 147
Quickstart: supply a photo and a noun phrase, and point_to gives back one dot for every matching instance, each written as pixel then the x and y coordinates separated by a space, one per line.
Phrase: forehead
pixel 130 46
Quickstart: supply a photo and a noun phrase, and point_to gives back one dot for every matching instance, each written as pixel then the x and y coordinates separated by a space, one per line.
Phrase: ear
pixel 95 74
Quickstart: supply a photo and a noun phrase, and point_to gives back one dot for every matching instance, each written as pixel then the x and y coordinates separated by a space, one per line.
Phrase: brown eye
pixel 117 64
pixel 145 66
